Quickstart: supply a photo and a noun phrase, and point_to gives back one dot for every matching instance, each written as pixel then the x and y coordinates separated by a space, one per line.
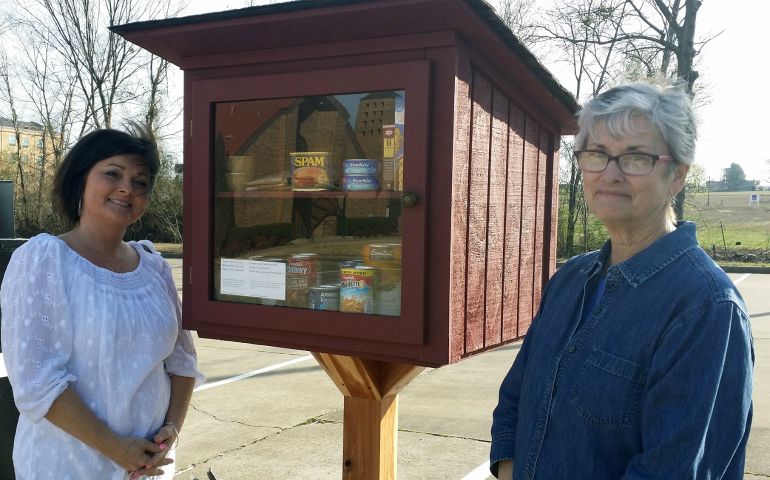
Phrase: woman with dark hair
pixel 638 364
pixel 101 369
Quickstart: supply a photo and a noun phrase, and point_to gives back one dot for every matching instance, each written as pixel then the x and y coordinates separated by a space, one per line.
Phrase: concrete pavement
pixel 287 423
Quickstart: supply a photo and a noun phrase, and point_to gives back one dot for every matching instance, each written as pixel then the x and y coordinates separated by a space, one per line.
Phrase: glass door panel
pixel 307 209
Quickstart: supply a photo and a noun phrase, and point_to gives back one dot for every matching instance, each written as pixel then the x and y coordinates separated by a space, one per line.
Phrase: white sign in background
pixel 248 278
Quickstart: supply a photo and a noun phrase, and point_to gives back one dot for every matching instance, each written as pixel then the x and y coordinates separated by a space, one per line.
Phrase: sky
pixel 734 67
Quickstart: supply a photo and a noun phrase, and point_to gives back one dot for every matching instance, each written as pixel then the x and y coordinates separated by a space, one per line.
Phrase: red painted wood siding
pixel 503 215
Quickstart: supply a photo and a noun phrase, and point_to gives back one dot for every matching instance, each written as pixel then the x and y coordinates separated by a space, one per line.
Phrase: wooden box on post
pixel 468 190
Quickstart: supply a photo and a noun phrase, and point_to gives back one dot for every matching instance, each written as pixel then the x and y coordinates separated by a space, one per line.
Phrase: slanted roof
pixel 4 122
pixel 330 21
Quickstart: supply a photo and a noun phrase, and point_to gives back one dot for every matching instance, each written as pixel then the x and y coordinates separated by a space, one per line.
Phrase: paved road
pixel 287 423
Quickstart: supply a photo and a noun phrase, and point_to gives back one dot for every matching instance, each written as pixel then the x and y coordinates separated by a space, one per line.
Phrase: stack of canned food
pixel 360 175
pixel 369 285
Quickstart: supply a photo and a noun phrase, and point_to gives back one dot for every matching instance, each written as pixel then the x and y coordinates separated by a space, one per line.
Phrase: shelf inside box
pixel 309 194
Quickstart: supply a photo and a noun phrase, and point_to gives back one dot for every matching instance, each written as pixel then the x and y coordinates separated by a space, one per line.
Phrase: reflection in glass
pixel 307 210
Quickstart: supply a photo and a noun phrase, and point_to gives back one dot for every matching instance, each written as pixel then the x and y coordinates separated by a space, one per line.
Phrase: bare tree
pixel 9 98
pixel 660 36
pixel 519 16
pixel 107 69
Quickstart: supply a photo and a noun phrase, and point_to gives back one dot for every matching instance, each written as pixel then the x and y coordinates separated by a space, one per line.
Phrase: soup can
pixel 360 167
pixel 325 297
pixel 301 272
pixel 357 289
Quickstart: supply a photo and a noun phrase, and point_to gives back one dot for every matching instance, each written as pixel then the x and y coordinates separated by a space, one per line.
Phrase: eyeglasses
pixel 629 163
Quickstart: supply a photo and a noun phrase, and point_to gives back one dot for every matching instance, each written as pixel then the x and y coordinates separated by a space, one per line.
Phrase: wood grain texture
pixel 528 217
pixel 498 169
pixel 370 425
pixel 477 213
pixel 540 221
pixel 516 121
pixel 369 436
pixel 459 218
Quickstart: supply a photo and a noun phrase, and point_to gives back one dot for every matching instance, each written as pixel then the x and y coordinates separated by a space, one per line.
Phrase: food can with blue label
pixel 360 183
pixel 360 167
pixel 357 289
pixel 325 297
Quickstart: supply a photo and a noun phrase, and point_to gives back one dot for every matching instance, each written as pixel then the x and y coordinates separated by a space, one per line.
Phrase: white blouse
pixel 115 338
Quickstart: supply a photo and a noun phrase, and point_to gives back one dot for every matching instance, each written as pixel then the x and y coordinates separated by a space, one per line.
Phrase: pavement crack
pixel 317 419
pixel 280 429
pixel 445 436
pixel 746 472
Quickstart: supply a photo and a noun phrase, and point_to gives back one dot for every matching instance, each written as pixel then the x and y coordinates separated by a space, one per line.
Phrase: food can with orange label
pixel 357 289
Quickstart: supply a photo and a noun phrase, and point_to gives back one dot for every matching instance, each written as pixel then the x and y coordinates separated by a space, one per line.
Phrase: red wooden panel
pixel 528 214
pixel 498 166
pixel 540 221
pixel 513 222
pixel 477 212
pixel 459 245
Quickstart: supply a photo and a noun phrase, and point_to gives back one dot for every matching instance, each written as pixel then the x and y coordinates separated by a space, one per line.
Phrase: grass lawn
pixel 168 247
pixel 730 213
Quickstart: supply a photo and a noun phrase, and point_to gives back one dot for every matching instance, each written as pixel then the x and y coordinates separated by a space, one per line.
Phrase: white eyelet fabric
pixel 114 338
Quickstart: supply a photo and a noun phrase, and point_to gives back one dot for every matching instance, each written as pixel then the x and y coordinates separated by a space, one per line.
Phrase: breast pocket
pixel 608 389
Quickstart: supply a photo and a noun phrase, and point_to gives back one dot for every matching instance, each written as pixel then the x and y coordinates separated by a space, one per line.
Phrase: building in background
pixel 27 146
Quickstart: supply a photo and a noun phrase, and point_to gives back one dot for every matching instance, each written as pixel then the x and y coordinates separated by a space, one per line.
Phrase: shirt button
pixel 572 349
pixel 539 432
pixel 598 310
pixel 554 390
pixel 528 477
pixel 615 270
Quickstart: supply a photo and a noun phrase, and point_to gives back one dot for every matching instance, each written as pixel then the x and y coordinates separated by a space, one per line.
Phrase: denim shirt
pixel 656 383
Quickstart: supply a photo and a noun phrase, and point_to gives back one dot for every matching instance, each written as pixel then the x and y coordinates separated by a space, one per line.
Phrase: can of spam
pixel 325 297
pixel 360 182
pixel 311 171
pixel 357 289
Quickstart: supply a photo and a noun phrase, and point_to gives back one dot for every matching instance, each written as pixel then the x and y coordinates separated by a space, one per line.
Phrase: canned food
pixel 386 255
pixel 387 292
pixel 310 171
pixel 360 182
pixel 325 297
pixel 357 289
pixel 360 167
pixel 301 271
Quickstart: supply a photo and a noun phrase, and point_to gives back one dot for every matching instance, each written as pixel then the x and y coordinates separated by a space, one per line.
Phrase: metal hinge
pixel 190 275
pixel 191 128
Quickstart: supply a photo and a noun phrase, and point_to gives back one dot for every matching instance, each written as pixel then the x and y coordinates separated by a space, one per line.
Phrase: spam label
pixel 310 171
pixel 357 290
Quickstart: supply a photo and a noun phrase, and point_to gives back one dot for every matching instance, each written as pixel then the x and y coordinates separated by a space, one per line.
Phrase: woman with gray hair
pixel 639 362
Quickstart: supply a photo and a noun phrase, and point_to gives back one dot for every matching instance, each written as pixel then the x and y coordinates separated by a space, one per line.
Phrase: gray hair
pixel 667 107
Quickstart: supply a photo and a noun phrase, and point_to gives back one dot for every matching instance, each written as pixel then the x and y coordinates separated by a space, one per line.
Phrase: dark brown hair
pixel 70 178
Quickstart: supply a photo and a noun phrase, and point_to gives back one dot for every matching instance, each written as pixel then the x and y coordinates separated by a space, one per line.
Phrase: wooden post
pixel 370 423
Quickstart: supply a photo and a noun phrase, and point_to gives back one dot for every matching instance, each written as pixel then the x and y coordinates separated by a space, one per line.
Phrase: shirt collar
pixel 652 259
